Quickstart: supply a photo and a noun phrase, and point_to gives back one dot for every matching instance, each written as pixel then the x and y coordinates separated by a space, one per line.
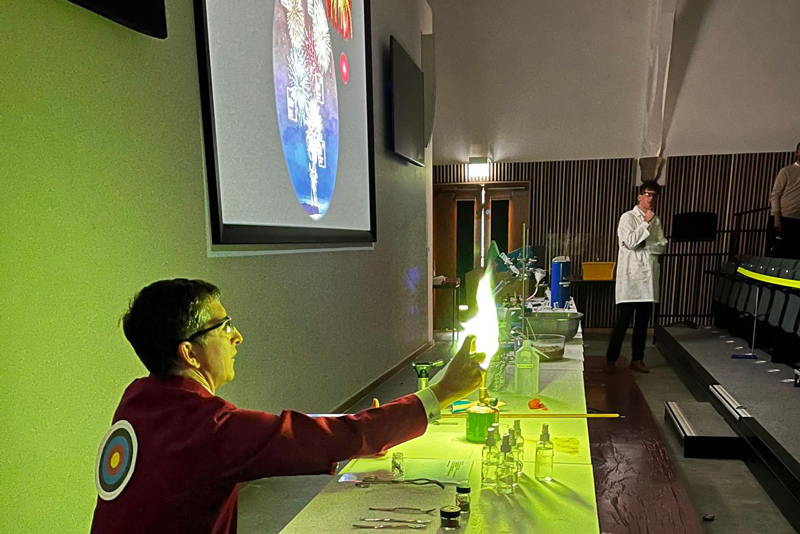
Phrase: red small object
pixel 344 68
pixel 536 404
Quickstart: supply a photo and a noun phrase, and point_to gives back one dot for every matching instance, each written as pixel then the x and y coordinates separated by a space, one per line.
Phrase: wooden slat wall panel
pixel 575 207
pixel 450 174
pixel 693 183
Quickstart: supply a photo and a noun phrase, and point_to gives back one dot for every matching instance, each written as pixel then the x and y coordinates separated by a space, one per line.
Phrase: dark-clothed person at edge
pixel 784 201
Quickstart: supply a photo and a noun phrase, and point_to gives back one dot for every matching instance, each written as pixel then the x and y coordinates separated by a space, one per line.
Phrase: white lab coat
pixel 640 244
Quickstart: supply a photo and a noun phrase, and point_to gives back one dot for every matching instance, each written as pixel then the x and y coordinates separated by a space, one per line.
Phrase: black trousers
pixel 625 312
pixel 788 246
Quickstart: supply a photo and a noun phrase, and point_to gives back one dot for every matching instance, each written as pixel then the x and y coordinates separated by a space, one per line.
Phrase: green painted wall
pixel 101 193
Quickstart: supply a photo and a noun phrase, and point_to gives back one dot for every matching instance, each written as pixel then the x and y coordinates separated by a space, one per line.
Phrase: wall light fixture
pixel 478 168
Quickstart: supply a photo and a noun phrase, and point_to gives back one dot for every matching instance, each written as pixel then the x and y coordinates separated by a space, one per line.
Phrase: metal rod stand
pixel 752 354
pixel 524 275
pixel 755 321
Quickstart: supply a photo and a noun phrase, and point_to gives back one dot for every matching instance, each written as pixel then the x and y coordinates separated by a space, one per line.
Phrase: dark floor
pixel 723 488
pixel 637 486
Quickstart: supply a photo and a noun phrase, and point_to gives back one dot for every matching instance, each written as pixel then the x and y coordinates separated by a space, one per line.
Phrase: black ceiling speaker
pixel 145 16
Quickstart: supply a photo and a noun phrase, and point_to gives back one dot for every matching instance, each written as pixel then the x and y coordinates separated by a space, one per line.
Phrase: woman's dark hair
pixel 162 315
pixel 650 185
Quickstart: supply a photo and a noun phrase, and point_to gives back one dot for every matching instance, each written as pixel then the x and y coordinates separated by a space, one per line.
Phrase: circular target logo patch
pixel 115 460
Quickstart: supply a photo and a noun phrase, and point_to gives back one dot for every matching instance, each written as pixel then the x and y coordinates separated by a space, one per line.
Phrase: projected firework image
pixel 286 88
pixel 306 96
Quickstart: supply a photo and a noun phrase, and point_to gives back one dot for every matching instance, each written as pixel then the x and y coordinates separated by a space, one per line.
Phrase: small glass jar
pixel 463 497
pixel 451 517
pixel 398 466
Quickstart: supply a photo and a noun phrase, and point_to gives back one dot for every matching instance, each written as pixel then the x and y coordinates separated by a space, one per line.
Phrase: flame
pixel 484 325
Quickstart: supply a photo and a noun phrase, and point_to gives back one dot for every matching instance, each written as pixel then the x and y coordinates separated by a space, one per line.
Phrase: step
pixel 702 431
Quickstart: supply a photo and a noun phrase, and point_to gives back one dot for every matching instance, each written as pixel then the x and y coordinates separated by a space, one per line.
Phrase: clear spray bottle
pixel 517 468
pixel 490 457
pixel 519 449
pixel 505 473
pixel 544 456
pixel 520 440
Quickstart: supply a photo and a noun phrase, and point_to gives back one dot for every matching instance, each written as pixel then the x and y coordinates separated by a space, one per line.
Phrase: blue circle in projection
pixel 306 100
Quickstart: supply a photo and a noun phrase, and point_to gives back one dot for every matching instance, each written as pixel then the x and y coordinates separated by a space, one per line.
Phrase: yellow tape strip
pixel 769 279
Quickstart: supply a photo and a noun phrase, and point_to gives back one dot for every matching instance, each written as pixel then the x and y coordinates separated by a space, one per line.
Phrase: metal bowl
pixel 563 323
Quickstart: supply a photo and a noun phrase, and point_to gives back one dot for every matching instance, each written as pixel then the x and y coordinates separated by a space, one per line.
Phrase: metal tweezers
pixel 403 510
pixel 386 525
pixel 391 520
pixel 370 480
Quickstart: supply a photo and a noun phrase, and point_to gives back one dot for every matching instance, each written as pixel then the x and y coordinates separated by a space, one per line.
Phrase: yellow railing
pixel 769 279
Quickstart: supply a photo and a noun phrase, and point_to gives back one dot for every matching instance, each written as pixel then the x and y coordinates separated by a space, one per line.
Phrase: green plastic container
pixel 479 419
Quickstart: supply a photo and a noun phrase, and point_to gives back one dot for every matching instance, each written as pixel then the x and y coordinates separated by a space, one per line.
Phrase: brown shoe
pixel 609 367
pixel 638 366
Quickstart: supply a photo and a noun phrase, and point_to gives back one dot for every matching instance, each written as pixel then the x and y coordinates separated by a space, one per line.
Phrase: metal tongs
pixel 403 510
pixel 370 480
pixel 390 520
pixel 386 525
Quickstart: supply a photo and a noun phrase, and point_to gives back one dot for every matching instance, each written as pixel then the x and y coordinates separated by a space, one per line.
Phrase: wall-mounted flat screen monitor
pixel 408 113
pixel 287 117
pixel 145 16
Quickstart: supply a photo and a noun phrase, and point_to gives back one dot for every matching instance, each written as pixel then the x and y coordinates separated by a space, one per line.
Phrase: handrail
pixel 756 210
pixel 737 230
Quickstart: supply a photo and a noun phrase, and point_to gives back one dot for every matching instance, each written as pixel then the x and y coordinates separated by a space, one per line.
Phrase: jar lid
pixel 450 512
pixel 463 488
pixel 481 408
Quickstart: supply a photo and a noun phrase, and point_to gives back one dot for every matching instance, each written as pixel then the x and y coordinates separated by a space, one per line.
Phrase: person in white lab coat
pixel 641 242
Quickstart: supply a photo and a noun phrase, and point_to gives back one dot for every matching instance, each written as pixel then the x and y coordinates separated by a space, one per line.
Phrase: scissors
pixel 370 480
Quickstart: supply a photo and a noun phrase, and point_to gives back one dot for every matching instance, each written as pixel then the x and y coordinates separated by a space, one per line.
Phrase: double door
pixel 466 219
